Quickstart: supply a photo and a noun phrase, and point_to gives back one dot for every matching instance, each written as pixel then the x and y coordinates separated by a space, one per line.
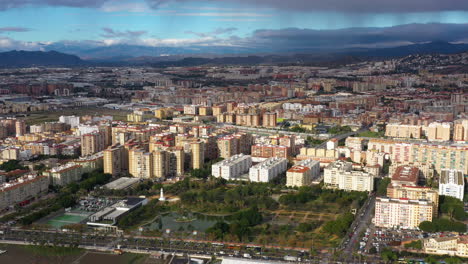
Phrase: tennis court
pixel 65 219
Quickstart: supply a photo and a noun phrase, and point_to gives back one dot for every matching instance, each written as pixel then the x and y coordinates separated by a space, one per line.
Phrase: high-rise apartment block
pixel 114 160
pixel 20 128
pixel 402 213
pixel 92 143
pixel 452 183
pixel 460 131
pixel 198 154
pixel 415 193
pixel 269 119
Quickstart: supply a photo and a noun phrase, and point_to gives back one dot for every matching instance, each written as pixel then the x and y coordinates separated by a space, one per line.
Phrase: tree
pixel 452 260
pixel 430 260
pixel 382 185
pixel 414 244
pixel 388 256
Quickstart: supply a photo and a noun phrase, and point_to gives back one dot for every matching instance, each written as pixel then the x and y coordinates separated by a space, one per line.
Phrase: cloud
pixel 358 37
pixel 219 14
pixel 14 29
pixel 125 7
pixel 267 40
pixel 216 32
pixel 345 6
pixel 9 4
pixel 7 43
pixel 110 33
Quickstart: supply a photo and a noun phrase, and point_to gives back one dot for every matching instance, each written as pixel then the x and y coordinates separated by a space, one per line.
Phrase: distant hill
pixel 436 47
pixel 38 58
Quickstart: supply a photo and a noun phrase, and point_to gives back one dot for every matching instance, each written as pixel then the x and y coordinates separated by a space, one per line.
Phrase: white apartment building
pixel 402 213
pixel 22 189
pixel 339 175
pixel 73 121
pixel 302 173
pixel 268 169
pixel 65 174
pixel 233 167
pixel 452 183
pixel 191 109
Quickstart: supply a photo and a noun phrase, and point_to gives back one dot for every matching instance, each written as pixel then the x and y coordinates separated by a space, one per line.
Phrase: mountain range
pixel 118 55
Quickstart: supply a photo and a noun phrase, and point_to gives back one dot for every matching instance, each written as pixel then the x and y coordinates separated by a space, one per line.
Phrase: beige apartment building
pixel 269 119
pixel 228 146
pixel 441 156
pixel 198 154
pixel 452 246
pixel 92 143
pixel 415 193
pixel 439 131
pixel 303 173
pixel 403 131
pixel 114 160
pixel 460 131
pixel 402 213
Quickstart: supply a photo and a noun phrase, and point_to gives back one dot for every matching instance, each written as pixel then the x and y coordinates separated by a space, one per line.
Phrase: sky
pixel 295 24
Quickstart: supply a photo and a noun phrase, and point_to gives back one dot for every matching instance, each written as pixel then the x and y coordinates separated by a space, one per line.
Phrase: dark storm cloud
pixel 346 6
pixel 295 38
pixel 110 33
pixel 14 29
pixel 216 32
pixel 8 4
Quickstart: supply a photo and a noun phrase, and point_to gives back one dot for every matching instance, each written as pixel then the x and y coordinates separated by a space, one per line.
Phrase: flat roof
pixel 406 173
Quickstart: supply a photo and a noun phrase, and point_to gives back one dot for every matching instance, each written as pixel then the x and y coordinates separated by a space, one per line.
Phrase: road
pixel 148 245
pixel 361 222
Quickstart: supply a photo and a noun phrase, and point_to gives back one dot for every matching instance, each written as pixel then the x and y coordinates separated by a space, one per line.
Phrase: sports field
pixel 65 219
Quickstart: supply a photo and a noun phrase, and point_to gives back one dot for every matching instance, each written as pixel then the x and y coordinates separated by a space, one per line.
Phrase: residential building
pixel 140 163
pixel 73 121
pixel 405 175
pixel 269 119
pixel 20 127
pixel 228 146
pixel 447 245
pixel 22 190
pixel 460 131
pixel 415 193
pixel 452 183
pixel 92 143
pixel 303 173
pixel 198 154
pixel 403 131
pixel 270 151
pixel 233 167
pixel 339 175
pixel 114 160
pixel 267 170
pixel 65 174
pixel 402 213
pixel 439 131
